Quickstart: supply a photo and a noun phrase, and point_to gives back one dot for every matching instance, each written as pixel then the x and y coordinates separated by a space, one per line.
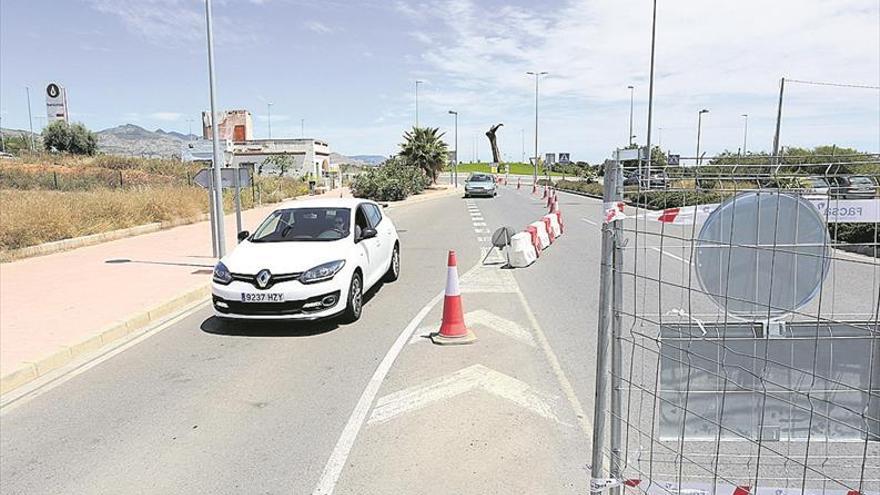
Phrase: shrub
pixel 392 181
pixel 658 200
pixel 591 188
pixel 74 138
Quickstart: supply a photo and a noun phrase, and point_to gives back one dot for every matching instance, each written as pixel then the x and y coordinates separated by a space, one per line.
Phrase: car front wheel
pixel 355 301
pixel 394 268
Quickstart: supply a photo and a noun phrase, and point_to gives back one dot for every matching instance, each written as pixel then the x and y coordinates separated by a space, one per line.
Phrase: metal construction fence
pixel 739 344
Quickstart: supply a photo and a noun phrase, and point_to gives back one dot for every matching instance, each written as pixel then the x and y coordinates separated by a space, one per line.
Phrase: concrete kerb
pixel 31 370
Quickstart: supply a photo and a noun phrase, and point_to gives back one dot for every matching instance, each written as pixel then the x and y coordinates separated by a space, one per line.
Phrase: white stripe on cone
pixel 452 282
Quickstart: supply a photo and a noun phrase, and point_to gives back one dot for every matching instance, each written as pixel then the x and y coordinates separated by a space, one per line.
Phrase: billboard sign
pixel 56 103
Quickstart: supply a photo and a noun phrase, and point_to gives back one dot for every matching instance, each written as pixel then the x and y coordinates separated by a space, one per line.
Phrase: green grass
pixel 515 168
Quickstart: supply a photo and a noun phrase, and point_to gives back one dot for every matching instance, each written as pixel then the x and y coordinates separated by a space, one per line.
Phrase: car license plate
pixel 261 297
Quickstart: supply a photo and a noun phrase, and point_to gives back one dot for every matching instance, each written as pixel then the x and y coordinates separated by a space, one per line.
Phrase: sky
pixel 349 69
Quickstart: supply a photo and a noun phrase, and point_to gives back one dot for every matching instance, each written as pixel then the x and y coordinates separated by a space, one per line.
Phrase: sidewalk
pixel 55 307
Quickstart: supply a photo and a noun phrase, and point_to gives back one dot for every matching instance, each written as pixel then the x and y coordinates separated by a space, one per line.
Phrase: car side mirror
pixel 368 233
pixel 244 234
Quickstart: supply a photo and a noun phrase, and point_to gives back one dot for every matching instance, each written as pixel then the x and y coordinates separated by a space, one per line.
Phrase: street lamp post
pixel 417 101
pixel 537 78
pixel 631 115
pixel 269 117
pixel 215 136
pixel 699 129
pixel 455 165
pixel 745 116
pixel 30 118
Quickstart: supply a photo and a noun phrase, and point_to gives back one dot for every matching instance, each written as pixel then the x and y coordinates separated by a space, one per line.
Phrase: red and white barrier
pixel 552 222
pixel 543 234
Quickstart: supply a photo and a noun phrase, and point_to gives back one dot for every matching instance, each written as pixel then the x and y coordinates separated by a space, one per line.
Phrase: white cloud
pixel 724 56
pixel 174 22
pixel 318 27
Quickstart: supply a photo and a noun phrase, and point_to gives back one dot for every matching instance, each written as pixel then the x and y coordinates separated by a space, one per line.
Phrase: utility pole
pixel 417 101
pixel 651 87
pixel 699 129
pixel 537 78
pixel 523 137
pixel 745 132
pixel 455 165
pixel 631 115
pixel 302 128
pixel 778 121
pixel 30 118
pixel 215 136
pixel 269 117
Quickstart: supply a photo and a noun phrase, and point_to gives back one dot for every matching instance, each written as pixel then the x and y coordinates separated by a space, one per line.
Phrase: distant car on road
pixel 480 185
pixel 314 259
pixel 854 187
pixel 658 180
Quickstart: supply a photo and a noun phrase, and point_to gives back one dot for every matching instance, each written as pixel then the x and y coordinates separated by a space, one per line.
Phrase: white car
pixel 308 260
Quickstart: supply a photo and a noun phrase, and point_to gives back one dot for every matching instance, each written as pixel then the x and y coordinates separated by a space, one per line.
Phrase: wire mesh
pixel 745 355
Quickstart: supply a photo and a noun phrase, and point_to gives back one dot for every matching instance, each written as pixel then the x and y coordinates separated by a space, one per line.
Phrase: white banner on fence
pixel 831 209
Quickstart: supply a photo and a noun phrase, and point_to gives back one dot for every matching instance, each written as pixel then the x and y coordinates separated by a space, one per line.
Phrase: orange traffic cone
pixel 549 229
pixel 545 193
pixel 552 207
pixel 453 329
pixel 559 219
pixel 549 201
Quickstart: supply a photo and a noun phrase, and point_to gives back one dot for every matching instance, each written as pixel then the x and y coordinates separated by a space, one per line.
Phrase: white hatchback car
pixel 309 259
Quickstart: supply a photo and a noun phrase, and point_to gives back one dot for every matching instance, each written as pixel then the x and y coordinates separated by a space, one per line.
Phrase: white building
pixel 308 156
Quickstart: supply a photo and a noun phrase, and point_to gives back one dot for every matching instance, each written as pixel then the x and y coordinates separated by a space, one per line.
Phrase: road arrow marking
pixel 462 381
pixel 502 325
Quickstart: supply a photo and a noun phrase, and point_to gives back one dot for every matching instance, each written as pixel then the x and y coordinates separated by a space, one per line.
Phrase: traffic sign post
pixel 230 178
pixel 673 160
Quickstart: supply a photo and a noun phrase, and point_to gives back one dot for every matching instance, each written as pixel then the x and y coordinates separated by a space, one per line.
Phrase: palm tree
pixel 423 147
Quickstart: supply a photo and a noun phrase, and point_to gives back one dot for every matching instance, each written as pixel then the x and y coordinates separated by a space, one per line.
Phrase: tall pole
pixel 778 122
pixel 523 138
pixel 215 137
pixel 269 117
pixel 30 118
pixel 630 114
pixel 537 78
pixel 651 86
pixel 455 165
pixel 417 101
pixel 302 128
pixel 699 129
pixel 745 132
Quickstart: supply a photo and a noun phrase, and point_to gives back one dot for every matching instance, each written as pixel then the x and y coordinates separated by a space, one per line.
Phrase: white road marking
pixel 462 381
pixel 499 324
pixel 336 462
pixel 484 239
pixel 672 255
pixel 590 222
pixel 36 388
pixel 479 224
pixel 583 421
pixel 480 230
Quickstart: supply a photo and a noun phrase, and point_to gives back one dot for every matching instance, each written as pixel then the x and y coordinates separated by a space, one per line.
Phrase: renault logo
pixel 263 278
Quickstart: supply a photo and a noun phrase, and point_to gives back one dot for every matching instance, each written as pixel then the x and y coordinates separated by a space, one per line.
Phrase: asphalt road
pixel 256 408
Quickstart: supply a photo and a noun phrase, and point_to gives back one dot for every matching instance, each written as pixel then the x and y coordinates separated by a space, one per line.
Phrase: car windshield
pixel 304 224
pixel 480 178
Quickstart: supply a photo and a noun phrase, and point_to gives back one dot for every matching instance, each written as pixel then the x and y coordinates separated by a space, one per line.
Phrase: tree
pixel 281 163
pixel 424 148
pixel 76 138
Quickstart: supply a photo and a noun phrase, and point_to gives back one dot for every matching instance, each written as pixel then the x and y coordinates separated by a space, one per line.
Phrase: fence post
pixel 55 178
pixel 603 340
pixel 120 178
pixel 615 415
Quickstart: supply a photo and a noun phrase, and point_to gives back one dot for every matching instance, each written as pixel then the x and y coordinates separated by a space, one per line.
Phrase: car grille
pixel 276 278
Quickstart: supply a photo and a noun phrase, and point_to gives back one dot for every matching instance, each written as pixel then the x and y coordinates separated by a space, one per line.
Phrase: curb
pixel 31 370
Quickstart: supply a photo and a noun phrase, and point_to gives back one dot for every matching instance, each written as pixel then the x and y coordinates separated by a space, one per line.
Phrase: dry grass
pixel 46 198
pixel 28 218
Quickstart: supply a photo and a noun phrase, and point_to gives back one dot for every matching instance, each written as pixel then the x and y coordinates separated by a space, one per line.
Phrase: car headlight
pixel 321 273
pixel 221 274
